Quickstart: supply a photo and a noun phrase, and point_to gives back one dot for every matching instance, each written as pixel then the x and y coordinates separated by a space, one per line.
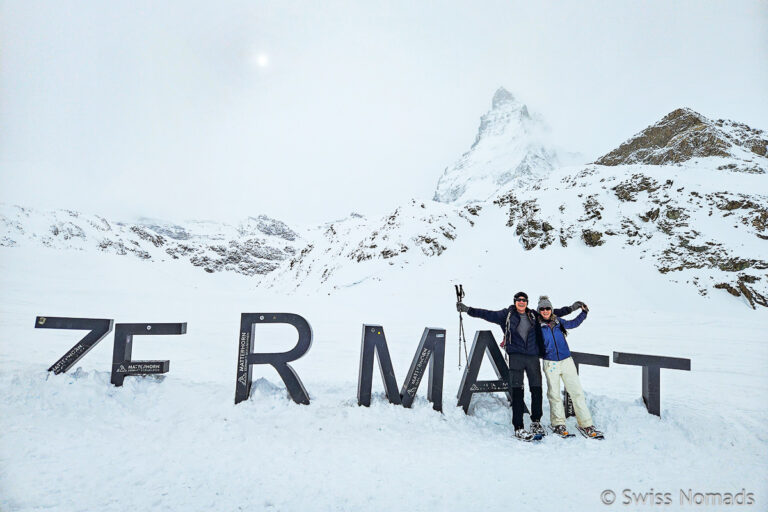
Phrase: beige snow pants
pixel 565 369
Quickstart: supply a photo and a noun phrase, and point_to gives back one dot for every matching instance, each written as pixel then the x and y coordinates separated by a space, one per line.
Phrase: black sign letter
pixel 652 366
pixel 431 348
pixel 375 343
pixel 122 364
pixel 98 327
pixel 279 361
pixel 484 343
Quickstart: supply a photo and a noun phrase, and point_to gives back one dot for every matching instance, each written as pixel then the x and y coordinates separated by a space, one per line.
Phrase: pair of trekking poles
pixel 462 338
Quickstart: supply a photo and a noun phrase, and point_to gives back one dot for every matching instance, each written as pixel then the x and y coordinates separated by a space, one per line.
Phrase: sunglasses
pixel 545 309
pixel 521 300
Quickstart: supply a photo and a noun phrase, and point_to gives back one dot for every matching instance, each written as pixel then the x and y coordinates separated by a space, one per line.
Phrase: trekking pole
pixel 459 298
pixel 461 328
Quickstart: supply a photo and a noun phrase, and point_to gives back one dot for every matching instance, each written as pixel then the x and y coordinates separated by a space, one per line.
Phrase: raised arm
pixel 496 317
pixel 570 324
pixel 567 310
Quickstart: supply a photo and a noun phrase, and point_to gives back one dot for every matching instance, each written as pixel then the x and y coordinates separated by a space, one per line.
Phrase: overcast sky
pixel 307 111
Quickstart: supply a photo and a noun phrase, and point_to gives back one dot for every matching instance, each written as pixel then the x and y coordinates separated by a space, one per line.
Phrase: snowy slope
pixel 693 223
pixel 690 222
pixel 349 251
pixel 688 190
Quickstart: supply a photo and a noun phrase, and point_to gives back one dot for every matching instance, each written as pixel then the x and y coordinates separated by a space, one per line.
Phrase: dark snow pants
pixel 518 365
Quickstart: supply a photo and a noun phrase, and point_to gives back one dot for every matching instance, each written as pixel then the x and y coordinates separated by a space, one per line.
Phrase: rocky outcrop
pixel 744 286
pixel 684 134
pixel 529 227
pixel 592 238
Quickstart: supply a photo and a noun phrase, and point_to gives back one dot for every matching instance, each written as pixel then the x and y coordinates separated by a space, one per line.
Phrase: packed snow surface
pixel 74 442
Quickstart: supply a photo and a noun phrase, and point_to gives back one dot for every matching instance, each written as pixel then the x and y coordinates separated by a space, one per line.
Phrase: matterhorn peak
pixel 502 96
pixel 506 148
pixel 503 100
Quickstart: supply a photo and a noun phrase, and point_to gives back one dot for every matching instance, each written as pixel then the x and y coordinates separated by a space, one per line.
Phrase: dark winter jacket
pixel 555 346
pixel 533 344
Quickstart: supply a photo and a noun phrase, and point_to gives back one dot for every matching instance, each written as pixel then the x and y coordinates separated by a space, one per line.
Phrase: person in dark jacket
pixel 523 343
pixel 558 364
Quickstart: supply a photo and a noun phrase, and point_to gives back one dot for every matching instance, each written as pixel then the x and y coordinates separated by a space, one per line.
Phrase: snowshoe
pixel 561 431
pixel 523 435
pixel 591 433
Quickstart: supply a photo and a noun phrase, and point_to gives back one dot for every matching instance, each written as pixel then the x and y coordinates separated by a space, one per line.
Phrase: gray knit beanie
pixel 544 302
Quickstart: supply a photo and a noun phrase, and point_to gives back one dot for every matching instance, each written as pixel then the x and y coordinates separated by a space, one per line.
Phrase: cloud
pixel 157 109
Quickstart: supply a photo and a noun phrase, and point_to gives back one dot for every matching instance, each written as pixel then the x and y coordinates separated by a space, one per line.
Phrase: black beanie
pixel 521 294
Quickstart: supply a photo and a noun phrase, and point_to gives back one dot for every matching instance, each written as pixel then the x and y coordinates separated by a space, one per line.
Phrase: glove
pixel 584 308
pixel 576 305
pixel 461 308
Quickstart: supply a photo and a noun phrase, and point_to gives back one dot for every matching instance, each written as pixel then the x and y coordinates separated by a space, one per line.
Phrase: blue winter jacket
pixel 555 346
pixel 533 345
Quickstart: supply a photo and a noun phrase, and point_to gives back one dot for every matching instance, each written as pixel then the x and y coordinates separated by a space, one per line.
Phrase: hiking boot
pixel 561 431
pixel 591 433
pixel 537 428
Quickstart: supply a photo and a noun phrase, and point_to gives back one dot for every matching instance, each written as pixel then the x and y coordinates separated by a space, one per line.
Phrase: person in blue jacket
pixel 558 364
pixel 522 341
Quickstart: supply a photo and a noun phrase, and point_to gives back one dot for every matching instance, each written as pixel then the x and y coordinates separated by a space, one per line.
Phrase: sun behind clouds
pixel 260 59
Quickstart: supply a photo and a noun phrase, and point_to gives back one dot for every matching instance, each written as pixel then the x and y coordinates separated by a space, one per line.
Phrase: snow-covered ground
pixel 74 442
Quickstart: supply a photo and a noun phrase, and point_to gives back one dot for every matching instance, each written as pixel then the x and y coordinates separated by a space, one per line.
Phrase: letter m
pixel 430 354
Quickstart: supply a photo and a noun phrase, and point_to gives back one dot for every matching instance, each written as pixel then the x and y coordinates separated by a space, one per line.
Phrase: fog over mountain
pixel 192 110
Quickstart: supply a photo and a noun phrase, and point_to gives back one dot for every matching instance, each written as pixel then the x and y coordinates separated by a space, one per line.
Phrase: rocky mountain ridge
pixel 690 229
pixel 252 247
pixel 683 192
pixel 345 252
pixel 684 134
pixel 685 196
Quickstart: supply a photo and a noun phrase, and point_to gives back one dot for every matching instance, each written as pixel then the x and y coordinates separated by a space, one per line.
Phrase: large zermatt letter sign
pixel 278 360
pixel 429 356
